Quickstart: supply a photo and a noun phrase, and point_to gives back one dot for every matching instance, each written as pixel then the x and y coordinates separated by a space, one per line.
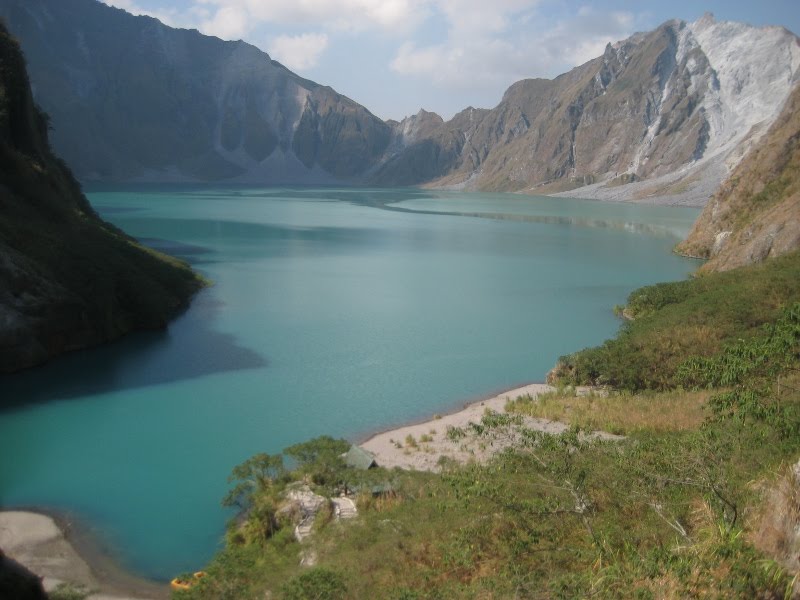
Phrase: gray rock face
pixel 132 99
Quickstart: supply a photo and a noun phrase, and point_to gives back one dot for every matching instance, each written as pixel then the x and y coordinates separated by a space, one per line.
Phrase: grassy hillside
pixel 68 280
pixel 672 321
pixel 698 500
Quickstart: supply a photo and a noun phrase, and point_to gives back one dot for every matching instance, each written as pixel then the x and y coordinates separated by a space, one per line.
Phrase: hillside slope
pixel 67 279
pixel 133 99
pixel 755 214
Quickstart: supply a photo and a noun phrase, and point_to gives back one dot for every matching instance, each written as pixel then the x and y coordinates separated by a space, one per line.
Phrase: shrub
pixel 316 584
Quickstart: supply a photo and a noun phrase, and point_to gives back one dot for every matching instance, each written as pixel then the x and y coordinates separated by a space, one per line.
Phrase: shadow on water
pixel 187 252
pixel 188 349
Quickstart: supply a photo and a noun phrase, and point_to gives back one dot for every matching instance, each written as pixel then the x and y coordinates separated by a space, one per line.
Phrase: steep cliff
pixel 133 99
pixel 664 113
pixel 755 214
pixel 67 279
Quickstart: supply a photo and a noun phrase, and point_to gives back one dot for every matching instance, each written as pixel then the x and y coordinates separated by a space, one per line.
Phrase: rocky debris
pixel 344 508
pixel 660 116
pixel 304 505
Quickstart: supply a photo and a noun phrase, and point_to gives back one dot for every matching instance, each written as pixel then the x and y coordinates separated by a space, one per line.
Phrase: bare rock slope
pixel 661 114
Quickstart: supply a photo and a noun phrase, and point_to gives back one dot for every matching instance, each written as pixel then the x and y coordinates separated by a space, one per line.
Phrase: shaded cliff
pixel 133 99
pixel 17 582
pixel 755 214
pixel 68 280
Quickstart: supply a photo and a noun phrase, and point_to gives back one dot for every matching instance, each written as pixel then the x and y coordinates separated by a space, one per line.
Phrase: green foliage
pixel 764 355
pixel 68 591
pixel 316 584
pixel 697 317
pixel 321 458
pixel 254 476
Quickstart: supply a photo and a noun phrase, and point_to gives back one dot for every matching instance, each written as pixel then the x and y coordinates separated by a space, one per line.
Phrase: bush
pixel 316 584
pixel 697 318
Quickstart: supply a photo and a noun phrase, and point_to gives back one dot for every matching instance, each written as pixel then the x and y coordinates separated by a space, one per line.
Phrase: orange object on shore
pixel 179 584
pixel 183 584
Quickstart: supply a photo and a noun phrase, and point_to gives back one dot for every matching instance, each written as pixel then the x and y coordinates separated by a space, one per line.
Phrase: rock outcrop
pixel 68 280
pixel 755 214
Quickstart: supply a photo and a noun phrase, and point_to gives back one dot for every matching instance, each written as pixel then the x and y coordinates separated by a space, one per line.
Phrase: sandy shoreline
pixel 59 550
pixel 421 445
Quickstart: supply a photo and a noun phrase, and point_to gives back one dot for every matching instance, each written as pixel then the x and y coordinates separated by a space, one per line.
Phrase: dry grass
pixel 620 414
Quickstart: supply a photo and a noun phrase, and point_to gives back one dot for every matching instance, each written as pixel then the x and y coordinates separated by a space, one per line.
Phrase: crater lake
pixel 332 311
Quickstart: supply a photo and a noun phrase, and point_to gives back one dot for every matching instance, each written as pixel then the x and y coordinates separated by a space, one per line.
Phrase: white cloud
pixel 228 23
pixel 497 45
pixel 349 15
pixel 168 17
pixel 480 47
pixel 299 52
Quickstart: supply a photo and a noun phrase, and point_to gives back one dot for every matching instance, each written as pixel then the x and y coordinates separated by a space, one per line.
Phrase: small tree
pixel 255 475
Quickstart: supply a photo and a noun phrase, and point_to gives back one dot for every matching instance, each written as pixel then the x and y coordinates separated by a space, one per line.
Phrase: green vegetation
pixel 672 321
pixel 68 591
pixel 695 501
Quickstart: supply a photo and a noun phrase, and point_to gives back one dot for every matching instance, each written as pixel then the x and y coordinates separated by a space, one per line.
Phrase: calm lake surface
pixel 333 312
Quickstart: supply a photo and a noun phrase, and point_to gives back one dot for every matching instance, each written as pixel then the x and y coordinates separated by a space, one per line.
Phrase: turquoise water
pixel 333 311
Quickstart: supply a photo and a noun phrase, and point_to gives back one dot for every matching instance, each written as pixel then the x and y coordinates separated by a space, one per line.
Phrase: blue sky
pixel 397 56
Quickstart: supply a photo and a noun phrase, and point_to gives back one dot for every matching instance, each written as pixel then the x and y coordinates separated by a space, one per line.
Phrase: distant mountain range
pixel 662 114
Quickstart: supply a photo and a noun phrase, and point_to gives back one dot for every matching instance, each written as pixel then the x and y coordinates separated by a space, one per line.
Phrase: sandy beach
pixel 395 448
pixel 43 545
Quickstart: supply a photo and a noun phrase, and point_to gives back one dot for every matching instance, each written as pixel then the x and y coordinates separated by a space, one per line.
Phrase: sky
pixel 398 56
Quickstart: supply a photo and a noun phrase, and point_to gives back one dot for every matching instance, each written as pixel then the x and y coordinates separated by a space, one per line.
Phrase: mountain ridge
pixel 662 116
pixel 652 109
pixel 134 100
